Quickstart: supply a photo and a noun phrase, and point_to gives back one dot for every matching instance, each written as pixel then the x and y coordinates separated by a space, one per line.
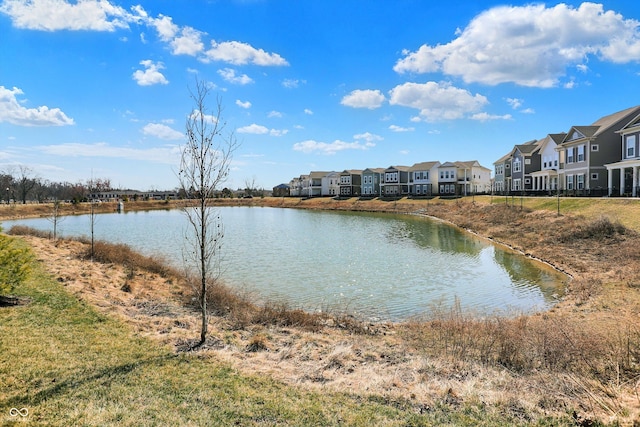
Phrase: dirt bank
pixel 582 355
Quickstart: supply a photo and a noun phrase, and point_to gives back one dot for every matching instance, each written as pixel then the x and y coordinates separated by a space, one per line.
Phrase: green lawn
pixel 69 365
pixel 624 210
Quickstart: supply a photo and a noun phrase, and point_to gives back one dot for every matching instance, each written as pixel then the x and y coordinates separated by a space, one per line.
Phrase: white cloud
pixel 245 105
pixel 274 114
pixel 368 138
pixel 261 130
pixel 483 117
pixel 54 15
pixel 208 118
pixel 515 103
pixel 166 155
pixel 165 27
pixel 151 75
pixel 396 128
pixel 529 45
pixel 368 98
pixel 278 132
pixel 11 111
pixel 162 131
pixel 292 83
pixel 238 53
pixel 188 42
pixel 308 112
pixel 311 146
pixel 528 111
pixel 253 129
pixel 229 75
pixel 437 101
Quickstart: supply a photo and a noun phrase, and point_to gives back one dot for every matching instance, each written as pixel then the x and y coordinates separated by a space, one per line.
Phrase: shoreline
pixel 602 302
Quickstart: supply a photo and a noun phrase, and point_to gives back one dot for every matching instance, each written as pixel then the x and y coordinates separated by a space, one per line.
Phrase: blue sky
pixel 101 88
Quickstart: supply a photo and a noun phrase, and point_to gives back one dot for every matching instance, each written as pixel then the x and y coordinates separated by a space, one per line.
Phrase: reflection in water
pixel 381 266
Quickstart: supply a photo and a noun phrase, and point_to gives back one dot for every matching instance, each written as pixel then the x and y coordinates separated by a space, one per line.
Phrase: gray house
pixel 586 150
pixel 350 183
pixel 525 159
pixel 395 181
pixel 372 182
pixel 625 173
pixel 502 174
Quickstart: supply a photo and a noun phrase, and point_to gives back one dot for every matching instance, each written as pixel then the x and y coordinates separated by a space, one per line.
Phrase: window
pixel 569 182
pixel 555 163
pixel 516 165
pixel 631 146
pixel 527 161
pixel 581 153
pixel 595 147
pixel 594 177
pixel 516 185
pixel 580 182
pixel 527 180
pixel 569 155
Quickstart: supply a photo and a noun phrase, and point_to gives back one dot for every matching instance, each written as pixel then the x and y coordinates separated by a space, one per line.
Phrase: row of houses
pixel 601 159
pixel 423 179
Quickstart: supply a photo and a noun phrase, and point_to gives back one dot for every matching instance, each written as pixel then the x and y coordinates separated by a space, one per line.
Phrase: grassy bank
pixel 69 364
pixel 577 364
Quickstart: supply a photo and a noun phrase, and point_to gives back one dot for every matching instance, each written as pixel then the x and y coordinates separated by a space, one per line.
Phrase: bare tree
pixel 250 188
pixel 205 162
pixel 25 181
pixel 55 217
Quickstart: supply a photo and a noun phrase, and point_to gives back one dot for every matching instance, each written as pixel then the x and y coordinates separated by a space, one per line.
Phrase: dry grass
pixel 583 355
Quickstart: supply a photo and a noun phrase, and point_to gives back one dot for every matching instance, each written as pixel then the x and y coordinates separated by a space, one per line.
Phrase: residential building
pixel 624 174
pixel 314 183
pixel 525 158
pixel 395 181
pixel 281 190
pixel 586 150
pixel 423 178
pixel 502 174
pixel 330 184
pixel 545 179
pixel 372 182
pixel 350 183
pixel 463 178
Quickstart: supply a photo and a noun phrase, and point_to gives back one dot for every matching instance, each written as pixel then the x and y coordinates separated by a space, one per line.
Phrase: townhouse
pixel 624 174
pixel 593 160
pixel 545 179
pixel 372 182
pixel 585 151
pixel 350 183
pixel 463 178
pixel 423 179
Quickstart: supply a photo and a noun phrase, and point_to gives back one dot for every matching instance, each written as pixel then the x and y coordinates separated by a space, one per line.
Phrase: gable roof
pixel 423 166
pixel 374 170
pixel 634 123
pixel 504 158
pixel 528 148
pixel 400 168
pixel 351 172
pixel 600 126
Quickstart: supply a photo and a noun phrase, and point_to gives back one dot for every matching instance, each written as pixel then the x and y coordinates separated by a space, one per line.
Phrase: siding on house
pixel 586 150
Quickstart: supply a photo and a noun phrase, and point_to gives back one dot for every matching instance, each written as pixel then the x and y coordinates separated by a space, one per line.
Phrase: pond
pixel 376 266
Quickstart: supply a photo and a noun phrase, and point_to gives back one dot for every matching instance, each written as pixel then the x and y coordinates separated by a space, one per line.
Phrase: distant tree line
pixel 20 184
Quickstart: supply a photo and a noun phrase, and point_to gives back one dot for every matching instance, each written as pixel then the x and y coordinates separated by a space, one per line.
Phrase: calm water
pixel 380 266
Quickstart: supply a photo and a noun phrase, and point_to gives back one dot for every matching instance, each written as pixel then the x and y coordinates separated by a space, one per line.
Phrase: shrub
pixel 14 264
